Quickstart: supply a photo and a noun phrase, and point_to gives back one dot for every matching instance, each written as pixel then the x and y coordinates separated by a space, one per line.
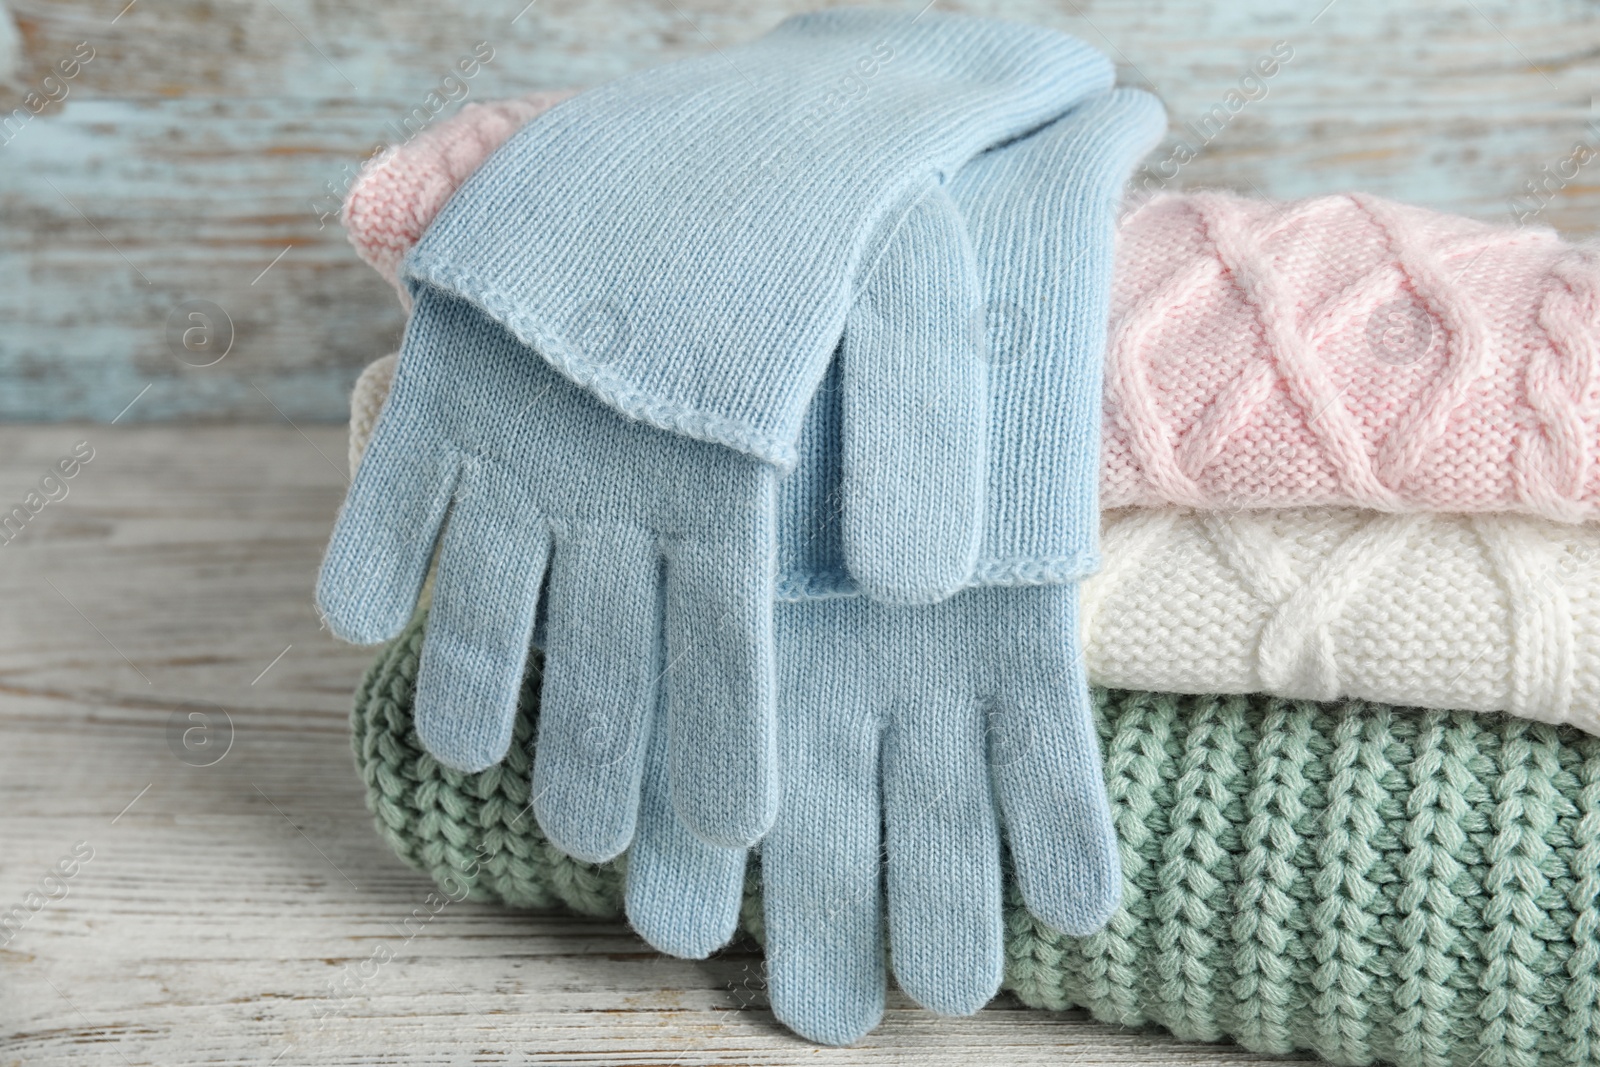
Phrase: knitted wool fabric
pixel 466 458
pixel 1476 613
pixel 396 195
pixel 714 217
pixel 1341 350
pixel 1351 350
pixel 1357 881
pixel 1481 613
pixel 366 404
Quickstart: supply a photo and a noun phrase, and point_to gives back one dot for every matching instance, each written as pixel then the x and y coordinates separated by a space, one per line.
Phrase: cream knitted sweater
pixel 1478 613
pixel 1482 613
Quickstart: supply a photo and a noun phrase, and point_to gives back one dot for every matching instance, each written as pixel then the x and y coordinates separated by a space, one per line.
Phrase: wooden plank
pixel 224 907
pixel 202 140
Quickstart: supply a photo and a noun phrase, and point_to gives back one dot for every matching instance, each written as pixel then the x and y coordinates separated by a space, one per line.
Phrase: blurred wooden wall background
pixel 192 157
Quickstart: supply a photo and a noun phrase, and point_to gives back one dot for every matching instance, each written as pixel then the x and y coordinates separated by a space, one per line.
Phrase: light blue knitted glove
pixel 710 220
pixel 718 219
pixel 906 733
pixel 720 211
pixel 850 670
pixel 656 591
pixel 1042 214
pixel 894 722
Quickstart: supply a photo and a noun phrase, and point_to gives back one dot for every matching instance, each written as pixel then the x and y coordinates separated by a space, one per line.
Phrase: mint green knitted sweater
pixel 1363 882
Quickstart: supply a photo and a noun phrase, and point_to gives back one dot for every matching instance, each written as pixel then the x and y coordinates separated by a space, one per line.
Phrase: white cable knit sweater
pixel 1481 613
pixel 1477 613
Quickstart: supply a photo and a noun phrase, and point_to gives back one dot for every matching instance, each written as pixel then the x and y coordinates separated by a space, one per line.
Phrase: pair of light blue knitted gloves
pixel 767 387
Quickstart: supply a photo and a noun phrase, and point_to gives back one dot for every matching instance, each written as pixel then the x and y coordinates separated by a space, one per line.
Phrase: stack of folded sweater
pixel 1348 454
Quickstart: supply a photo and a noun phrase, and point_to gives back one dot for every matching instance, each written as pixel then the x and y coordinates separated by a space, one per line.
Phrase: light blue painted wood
pixel 200 141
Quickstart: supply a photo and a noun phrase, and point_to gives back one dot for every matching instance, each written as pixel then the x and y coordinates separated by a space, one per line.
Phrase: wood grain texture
pixel 227 910
pixel 203 138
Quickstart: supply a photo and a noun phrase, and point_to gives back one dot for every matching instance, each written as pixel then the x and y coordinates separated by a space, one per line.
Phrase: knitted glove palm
pixel 895 722
pixel 470 428
pixel 896 718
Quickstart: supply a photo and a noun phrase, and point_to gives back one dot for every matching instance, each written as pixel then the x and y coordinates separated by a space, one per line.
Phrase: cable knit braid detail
pixel 1466 331
pixel 1347 905
pixel 1251 363
pixel 1541 616
pixel 1294 349
pixel 1198 866
pixel 1554 460
pixel 1433 839
pixel 1413 888
pixel 1517 883
pixel 1562 918
pixel 1295 656
pixel 1272 872
pixel 1581 998
pixel 1489 613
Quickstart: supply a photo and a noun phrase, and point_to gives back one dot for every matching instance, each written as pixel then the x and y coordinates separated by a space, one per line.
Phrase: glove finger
pixel 682 894
pixel 1045 757
pixel 721 698
pixel 486 594
pixel 601 678
pixel 820 864
pixel 1042 214
pixel 383 540
pixel 946 924
pixel 912 438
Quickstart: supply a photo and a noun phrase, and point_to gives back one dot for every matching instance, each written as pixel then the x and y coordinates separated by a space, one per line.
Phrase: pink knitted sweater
pixel 1342 350
pixel 398 194
pixel 1350 350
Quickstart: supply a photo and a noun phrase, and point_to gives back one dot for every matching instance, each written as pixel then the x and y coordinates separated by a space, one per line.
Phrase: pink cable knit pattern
pixel 1354 351
pixel 397 195
pixel 1342 350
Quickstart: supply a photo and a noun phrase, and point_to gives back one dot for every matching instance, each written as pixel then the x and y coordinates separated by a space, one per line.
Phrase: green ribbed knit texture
pixel 1366 883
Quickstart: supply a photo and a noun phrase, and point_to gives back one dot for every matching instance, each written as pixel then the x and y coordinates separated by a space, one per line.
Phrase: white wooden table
pixel 227 910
